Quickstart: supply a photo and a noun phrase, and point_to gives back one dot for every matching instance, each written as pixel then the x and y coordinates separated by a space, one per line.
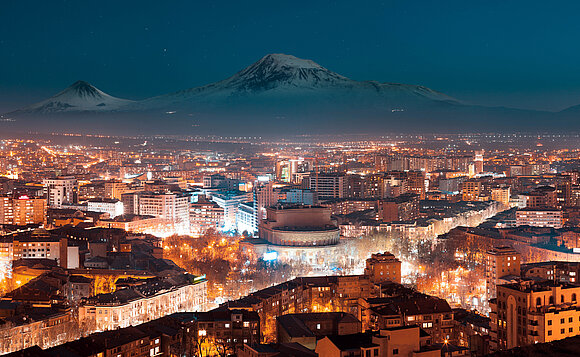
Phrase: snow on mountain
pixel 279 79
pixel 78 97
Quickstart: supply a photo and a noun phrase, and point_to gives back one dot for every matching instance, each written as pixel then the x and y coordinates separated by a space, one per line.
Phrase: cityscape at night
pixel 251 202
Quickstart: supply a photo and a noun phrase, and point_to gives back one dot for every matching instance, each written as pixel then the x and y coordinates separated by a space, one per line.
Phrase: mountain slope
pixel 78 97
pixel 277 79
pixel 281 94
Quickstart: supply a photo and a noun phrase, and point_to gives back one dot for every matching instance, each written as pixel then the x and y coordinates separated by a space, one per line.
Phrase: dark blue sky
pixel 513 53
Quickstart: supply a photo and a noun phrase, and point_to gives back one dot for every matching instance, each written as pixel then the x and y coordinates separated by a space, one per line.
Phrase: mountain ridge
pixel 284 92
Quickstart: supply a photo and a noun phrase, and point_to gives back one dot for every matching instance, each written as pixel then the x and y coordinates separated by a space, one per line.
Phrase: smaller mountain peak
pixel 80 83
pixel 84 89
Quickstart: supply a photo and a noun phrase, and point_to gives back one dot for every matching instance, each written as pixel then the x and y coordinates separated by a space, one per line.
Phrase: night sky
pixel 512 53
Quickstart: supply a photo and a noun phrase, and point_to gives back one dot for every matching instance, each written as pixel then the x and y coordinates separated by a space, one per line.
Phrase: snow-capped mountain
pixel 279 78
pixel 278 93
pixel 78 97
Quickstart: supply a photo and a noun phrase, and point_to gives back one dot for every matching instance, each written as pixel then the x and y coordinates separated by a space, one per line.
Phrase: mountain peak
pixel 284 60
pixel 79 96
pixel 84 89
pixel 278 69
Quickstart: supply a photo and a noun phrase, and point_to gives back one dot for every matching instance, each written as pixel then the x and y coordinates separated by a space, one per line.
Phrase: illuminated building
pixel 138 224
pixel 246 218
pixel 349 205
pixel 402 208
pixel 228 328
pixel 382 267
pixel 61 191
pixel 22 210
pixel 287 170
pixel 415 181
pixel 229 201
pixel 296 225
pixel 115 189
pixel 151 299
pixel 221 182
pixel 479 161
pixel 113 207
pixel 539 217
pixel 173 207
pixel 327 185
pixel 501 194
pixel 307 328
pixel 471 190
pixel 92 190
pixel 204 215
pixel 452 184
pixel 432 314
pixel 44 327
pixel 302 196
pixel 534 312
pixel 304 294
pixel 557 271
pixel 501 264
pixel 541 197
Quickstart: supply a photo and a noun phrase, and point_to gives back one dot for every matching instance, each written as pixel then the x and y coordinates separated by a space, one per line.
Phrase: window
pixel 570 319
pixel 571 329
pixel 551 301
pixel 318 326
pixel 562 331
pixel 562 298
pixel 549 322
pixel 549 332
pixel 395 351
pixel 561 321
pixel 226 325
pixel 246 324
pixel 574 297
pixel 202 333
pixel 538 301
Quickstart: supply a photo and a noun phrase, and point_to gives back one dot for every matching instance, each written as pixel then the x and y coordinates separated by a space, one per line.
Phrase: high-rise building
pixel 501 194
pixel 327 185
pixel 230 201
pixel 302 196
pixel 471 190
pixel 478 161
pixel 204 215
pixel 264 196
pixel 61 191
pixel 22 210
pixel 500 264
pixel 173 207
pixel 220 182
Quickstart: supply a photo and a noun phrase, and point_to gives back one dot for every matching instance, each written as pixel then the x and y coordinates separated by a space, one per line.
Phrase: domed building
pixel 298 226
